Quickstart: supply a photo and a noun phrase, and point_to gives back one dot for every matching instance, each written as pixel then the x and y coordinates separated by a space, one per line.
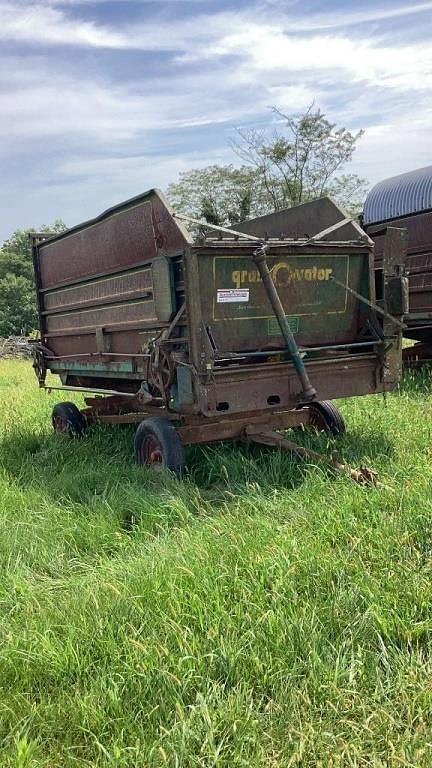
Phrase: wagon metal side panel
pixel 108 285
pixel 419 262
pixel 274 386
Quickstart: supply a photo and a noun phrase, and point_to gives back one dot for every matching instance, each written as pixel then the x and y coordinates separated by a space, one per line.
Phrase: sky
pixel 102 99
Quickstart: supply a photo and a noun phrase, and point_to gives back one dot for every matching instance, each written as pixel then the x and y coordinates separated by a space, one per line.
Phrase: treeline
pixel 18 313
pixel 301 158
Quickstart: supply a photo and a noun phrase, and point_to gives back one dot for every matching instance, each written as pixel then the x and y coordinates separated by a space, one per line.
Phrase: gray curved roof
pixel 399 196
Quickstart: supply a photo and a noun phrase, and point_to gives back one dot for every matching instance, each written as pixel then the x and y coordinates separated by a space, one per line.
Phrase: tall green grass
pixel 262 612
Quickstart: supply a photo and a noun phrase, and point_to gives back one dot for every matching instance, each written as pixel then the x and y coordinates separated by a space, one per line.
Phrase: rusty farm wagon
pixel 406 201
pixel 218 336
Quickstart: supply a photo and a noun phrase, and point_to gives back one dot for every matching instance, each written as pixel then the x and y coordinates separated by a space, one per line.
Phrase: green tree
pixel 18 312
pixel 221 194
pixel 302 160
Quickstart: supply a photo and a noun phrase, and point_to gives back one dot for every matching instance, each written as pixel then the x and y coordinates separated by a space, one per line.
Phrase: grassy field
pixel 262 612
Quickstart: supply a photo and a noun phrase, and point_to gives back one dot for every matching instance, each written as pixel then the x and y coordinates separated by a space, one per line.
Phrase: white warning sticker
pixel 232 295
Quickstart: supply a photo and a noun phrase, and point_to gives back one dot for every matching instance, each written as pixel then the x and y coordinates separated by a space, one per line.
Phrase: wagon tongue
pixel 308 391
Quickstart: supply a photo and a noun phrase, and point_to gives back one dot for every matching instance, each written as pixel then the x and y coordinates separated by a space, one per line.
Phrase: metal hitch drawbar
pixel 364 475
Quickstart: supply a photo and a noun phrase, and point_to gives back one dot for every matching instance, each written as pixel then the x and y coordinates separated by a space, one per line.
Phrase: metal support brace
pixel 308 393
pixel 370 304
pixel 334 228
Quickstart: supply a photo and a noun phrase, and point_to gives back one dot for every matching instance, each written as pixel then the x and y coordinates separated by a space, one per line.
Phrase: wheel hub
pixel 151 452
pixel 60 425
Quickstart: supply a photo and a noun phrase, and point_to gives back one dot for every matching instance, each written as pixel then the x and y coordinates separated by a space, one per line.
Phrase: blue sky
pixel 102 100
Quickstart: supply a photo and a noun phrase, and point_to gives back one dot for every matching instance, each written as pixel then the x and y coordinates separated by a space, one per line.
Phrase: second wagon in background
pixel 406 201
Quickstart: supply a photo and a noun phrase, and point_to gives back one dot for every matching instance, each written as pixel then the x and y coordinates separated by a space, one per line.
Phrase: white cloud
pixel 85 185
pixel 145 169
pixel 267 48
pixel 214 68
pixel 334 20
pixel 395 147
pixel 251 42
pixel 133 2
pixel 39 24
pixel 39 104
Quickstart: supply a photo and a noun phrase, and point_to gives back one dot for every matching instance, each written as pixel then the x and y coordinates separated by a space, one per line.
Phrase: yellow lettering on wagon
pixel 236 278
pixel 283 275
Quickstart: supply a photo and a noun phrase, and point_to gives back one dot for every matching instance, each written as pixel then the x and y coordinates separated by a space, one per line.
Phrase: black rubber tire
pixel 328 417
pixel 68 419
pixel 158 444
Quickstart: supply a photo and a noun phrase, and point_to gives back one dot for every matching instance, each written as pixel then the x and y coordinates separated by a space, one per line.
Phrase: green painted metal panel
pixel 182 390
pixel 163 288
pixel 93 367
pixel 235 304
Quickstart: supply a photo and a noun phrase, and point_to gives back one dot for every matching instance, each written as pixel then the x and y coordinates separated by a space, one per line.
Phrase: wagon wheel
pixel 158 445
pixel 161 370
pixel 68 419
pixel 325 417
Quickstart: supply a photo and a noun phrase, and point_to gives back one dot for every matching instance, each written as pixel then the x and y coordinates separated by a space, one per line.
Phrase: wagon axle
pixel 159 442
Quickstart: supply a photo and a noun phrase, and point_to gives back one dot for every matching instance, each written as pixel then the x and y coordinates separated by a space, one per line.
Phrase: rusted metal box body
pixel 405 201
pixel 131 300
pixel 115 273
